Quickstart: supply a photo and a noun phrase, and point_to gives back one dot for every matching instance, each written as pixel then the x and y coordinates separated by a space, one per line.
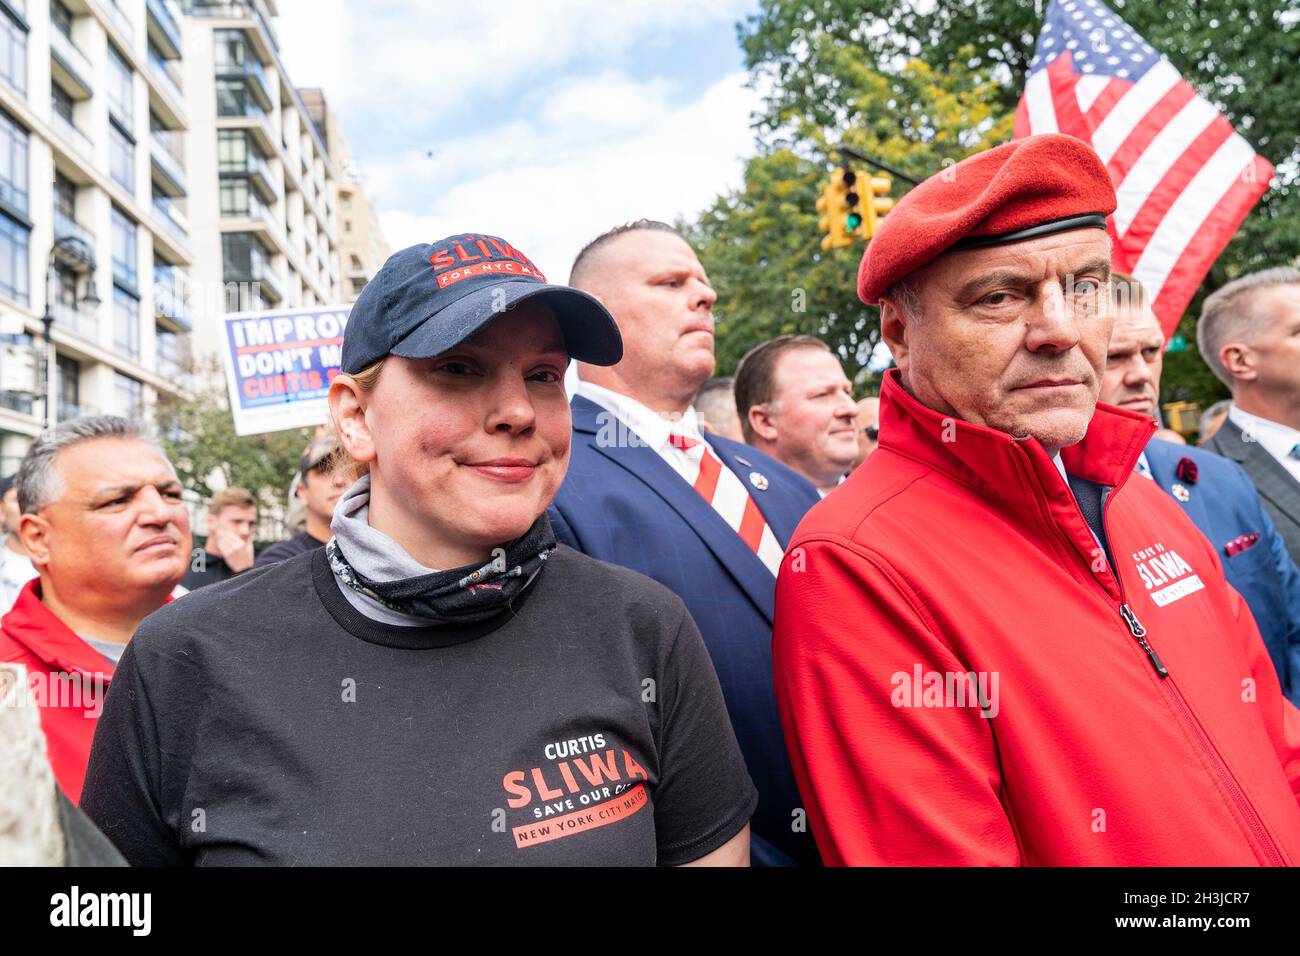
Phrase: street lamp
pixel 76 249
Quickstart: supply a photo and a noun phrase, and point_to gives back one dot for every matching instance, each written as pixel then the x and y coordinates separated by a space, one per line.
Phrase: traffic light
pixel 841 211
pixel 878 203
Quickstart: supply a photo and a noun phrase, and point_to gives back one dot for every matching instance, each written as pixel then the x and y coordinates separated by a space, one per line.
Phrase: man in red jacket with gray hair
pixel 991 645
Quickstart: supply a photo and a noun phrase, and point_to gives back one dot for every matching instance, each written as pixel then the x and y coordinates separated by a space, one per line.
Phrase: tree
pixel 835 68
pixel 198 434
pixel 761 244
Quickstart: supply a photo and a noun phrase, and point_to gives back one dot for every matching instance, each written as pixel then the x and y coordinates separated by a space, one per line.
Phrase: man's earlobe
pixel 33 532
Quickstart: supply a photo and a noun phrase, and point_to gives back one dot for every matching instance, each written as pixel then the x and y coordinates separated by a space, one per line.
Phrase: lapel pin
pixel 758 480
pixel 1180 491
pixel 743 461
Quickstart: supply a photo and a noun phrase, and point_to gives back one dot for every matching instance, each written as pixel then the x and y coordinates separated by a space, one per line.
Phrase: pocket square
pixel 1241 543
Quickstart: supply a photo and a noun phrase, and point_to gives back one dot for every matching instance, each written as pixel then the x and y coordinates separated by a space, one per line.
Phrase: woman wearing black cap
pixel 363 704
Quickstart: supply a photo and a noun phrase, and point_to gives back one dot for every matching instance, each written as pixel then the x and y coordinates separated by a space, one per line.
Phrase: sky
pixel 545 123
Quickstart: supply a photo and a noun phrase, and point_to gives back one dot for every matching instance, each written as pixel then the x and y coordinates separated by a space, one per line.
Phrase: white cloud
pixel 421 60
pixel 566 143
pixel 555 186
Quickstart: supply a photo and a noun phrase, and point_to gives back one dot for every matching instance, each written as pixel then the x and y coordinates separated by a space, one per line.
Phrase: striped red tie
pixel 719 486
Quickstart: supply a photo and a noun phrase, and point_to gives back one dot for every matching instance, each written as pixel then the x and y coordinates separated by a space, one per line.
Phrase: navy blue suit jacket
pixel 1224 504
pixel 622 503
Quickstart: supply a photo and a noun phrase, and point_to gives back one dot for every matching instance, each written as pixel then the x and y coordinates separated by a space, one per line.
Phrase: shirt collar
pixel 1277 439
pixel 651 427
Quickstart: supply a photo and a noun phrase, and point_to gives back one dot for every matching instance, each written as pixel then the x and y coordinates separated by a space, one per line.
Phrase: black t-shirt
pixel 266 720
pixel 289 548
pixel 210 570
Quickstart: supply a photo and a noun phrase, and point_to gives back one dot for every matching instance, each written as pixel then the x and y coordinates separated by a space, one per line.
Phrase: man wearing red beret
pixel 992 646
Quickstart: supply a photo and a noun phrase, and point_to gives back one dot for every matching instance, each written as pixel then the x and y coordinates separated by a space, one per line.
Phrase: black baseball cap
pixel 433 296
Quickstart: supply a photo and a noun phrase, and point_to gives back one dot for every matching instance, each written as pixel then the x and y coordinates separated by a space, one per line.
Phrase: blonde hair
pixel 230 498
pixel 366 380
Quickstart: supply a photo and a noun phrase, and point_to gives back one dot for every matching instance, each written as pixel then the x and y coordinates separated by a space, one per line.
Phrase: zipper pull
pixel 1137 630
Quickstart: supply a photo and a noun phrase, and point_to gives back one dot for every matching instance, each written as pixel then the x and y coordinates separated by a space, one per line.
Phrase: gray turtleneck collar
pixel 372 553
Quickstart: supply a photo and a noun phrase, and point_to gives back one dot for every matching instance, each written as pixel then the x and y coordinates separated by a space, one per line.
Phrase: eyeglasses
pixel 872 432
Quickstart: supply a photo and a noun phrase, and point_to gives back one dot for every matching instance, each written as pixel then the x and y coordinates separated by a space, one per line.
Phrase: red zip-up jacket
pixel 68 679
pixel 1131 715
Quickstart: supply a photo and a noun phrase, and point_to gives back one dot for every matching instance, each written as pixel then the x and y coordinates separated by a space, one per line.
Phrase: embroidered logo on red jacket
pixel 1167 576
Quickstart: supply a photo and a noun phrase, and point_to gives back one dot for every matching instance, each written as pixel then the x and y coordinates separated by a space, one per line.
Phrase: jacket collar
pixel 976 454
pixel 36 628
pixel 1015 471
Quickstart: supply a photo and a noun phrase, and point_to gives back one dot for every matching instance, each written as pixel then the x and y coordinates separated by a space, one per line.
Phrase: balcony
pixel 163 152
pixel 171 215
pixel 254 76
pixel 168 302
pixel 71 319
pixel 74 138
pixel 121 21
pixel 236 10
pixel 167 75
pixel 258 171
pixel 70 65
pixel 66 227
pixel 163 29
pixel 258 271
pixel 236 112
pixel 20 402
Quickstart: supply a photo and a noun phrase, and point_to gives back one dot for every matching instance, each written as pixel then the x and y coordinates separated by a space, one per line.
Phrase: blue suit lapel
pixel 646 466
pixel 1163 460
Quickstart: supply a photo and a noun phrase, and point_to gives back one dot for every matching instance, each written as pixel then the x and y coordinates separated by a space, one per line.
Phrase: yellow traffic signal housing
pixel 878 203
pixel 833 206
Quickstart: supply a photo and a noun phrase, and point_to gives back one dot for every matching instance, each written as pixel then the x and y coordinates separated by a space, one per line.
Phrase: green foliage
pixel 199 437
pixel 917 83
pixel 761 244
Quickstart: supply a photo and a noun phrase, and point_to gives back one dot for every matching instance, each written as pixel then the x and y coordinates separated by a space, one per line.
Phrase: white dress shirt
pixel 649 426
pixel 1274 438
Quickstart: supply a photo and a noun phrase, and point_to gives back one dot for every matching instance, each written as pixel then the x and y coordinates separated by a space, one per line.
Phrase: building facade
pixel 362 248
pixel 93 238
pixel 158 169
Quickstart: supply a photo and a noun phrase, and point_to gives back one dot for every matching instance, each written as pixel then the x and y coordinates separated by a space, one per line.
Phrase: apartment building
pixel 362 248
pixel 158 169
pixel 266 212
pixel 93 237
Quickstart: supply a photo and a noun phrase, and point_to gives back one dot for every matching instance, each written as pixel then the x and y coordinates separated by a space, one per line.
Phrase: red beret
pixel 1028 188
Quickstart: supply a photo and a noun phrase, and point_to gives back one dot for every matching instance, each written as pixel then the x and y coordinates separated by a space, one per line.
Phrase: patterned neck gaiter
pixel 460 596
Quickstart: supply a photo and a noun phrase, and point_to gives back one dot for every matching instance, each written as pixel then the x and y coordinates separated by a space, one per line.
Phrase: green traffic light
pixel 854 221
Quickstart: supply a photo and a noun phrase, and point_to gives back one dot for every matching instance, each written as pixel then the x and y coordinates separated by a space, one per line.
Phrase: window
pixel 233 99
pixel 121 158
pixel 61 17
pixel 129 393
pixel 13 163
pixel 168 350
pixel 67 386
pixel 121 89
pixel 232 151
pixel 356 263
pixel 347 225
pixel 13 52
pixel 126 322
pixel 124 250
pixel 14 241
pixel 347 203
pixel 61 103
pixel 229 50
pixel 65 195
pixel 65 287
pixel 237 199
pixel 358 285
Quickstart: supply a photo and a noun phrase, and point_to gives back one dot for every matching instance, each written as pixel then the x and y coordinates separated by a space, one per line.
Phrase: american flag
pixel 1184 178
